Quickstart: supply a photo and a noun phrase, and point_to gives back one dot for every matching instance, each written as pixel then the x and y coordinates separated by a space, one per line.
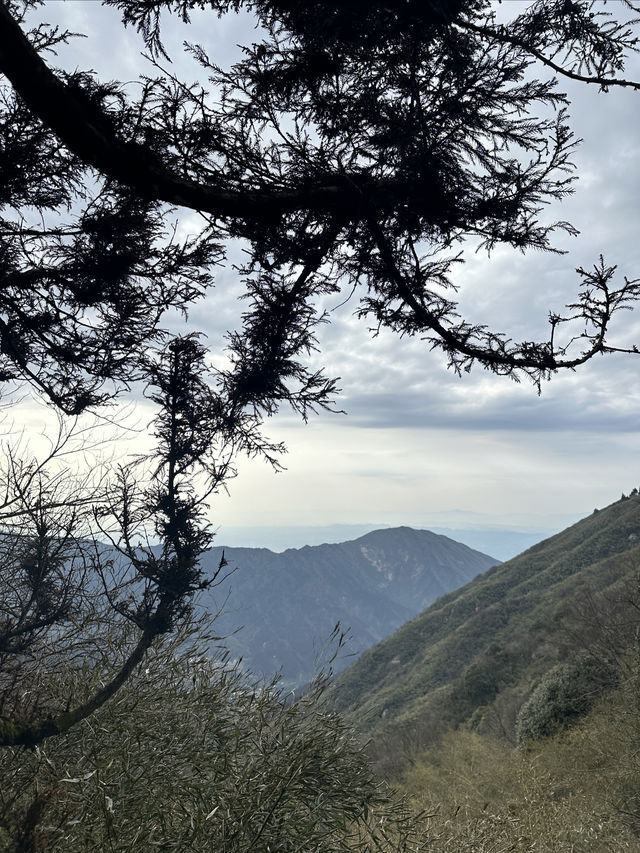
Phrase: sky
pixel 418 445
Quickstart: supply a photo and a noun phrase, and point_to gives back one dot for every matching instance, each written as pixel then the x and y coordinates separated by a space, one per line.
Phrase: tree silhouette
pixel 61 584
pixel 353 147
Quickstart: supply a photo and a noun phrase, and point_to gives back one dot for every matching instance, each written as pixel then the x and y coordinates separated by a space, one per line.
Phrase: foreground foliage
pixel 188 756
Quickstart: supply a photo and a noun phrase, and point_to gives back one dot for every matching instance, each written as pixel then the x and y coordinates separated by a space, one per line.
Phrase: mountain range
pixel 502 542
pixel 278 610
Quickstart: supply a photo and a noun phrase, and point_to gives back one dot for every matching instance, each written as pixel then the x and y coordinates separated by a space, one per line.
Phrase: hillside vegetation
pixel 520 652
pixel 576 792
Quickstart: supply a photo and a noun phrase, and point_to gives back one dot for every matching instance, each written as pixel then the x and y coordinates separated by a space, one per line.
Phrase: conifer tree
pixel 352 148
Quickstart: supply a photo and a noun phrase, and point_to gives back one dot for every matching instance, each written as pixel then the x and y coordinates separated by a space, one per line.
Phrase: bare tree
pixel 76 558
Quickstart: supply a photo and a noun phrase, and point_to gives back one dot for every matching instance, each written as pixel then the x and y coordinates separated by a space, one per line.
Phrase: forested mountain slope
pixel 289 603
pixel 475 655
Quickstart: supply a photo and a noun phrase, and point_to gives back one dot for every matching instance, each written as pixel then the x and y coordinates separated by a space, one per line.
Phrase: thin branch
pixel 503 35
pixel 21 734
pixel 86 131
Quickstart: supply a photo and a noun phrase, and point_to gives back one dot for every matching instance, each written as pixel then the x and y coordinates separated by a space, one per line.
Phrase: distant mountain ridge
pixel 289 603
pixel 501 542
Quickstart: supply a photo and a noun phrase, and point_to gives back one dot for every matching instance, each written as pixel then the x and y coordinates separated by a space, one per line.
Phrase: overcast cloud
pixel 419 445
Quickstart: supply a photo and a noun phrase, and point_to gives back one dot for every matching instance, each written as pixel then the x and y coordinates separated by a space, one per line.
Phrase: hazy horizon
pixel 499 542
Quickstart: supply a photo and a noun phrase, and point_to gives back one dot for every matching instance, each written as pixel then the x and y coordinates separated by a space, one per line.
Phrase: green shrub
pixel 564 695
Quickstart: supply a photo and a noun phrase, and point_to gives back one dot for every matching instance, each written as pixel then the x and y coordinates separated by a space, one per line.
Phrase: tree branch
pixel 537 360
pixel 502 35
pixel 86 131
pixel 17 734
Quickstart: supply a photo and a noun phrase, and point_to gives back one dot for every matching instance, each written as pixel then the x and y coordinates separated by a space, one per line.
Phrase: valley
pixel 499 698
pixel 278 611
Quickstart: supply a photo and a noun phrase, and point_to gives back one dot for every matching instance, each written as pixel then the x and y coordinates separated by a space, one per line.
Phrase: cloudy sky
pixel 418 445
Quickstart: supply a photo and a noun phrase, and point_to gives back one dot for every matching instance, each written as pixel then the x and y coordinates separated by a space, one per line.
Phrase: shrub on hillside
pixel 564 695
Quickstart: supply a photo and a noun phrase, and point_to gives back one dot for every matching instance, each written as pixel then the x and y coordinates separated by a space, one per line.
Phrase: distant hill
pixel 289 603
pixel 475 655
pixel 502 544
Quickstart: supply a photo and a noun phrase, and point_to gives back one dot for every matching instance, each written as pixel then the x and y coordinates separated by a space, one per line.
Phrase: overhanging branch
pixel 595 307
pixel 502 35
pixel 85 130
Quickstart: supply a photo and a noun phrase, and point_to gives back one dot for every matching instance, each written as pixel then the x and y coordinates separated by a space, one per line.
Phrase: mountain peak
pixel 289 602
